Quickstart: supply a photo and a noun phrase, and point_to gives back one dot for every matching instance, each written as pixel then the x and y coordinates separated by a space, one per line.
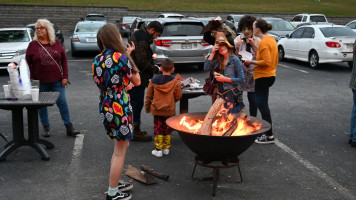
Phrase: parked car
pixel 205 20
pixel 84 36
pixel 352 25
pixel 13 44
pixel 170 15
pixel 138 24
pixel 314 23
pixel 233 22
pixel 305 17
pixel 124 25
pixel 57 31
pixel 182 41
pixel 94 17
pixel 280 27
pixel 317 44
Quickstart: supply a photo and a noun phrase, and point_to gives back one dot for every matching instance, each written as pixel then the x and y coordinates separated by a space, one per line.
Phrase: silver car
pixel 182 41
pixel 13 44
pixel 84 36
pixel 280 27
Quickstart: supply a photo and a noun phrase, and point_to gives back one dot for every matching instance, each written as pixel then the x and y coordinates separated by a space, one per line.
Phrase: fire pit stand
pixel 216 170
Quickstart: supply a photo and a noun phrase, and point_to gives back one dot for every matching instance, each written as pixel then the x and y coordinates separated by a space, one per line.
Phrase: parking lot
pixel 310 159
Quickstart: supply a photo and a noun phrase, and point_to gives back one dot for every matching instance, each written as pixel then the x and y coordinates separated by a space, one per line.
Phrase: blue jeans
pixel 137 96
pixel 353 119
pixel 61 102
pixel 262 86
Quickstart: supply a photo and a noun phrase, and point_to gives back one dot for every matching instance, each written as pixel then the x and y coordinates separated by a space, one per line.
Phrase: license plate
pixel 91 39
pixel 186 46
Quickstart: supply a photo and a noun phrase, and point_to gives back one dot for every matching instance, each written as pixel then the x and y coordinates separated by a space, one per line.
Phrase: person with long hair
pixel 47 61
pixel 264 73
pixel 247 42
pixel 113 72
pixel 228 73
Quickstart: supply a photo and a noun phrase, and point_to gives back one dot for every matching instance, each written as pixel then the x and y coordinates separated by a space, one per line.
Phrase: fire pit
pixel 210 148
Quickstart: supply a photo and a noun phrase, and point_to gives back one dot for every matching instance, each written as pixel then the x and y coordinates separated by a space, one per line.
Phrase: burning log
pixel 209 118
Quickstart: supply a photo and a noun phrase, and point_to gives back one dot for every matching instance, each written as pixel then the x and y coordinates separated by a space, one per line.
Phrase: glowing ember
pixel 222 123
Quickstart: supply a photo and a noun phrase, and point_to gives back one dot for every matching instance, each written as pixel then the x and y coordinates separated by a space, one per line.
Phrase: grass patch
pixel 327 7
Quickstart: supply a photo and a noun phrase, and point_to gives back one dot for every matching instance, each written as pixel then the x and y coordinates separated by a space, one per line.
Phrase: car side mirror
pixel 287 36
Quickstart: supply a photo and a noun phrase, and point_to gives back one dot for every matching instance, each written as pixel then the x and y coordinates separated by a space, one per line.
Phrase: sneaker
pixel 165 151
pixel 125 186
pixel 264 139
pixel 119 196
pixel 157 153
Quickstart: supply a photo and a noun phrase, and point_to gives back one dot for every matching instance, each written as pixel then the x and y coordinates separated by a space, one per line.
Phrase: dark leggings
pixel 252 103
pixel 262 86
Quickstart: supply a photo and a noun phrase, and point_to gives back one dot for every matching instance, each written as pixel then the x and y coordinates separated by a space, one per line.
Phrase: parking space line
pixel 78 146
pixel 293 68
pixel 330 181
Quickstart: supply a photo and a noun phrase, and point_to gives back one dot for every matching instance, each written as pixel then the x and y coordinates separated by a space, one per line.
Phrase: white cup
pixel 35 93
pixel 6 91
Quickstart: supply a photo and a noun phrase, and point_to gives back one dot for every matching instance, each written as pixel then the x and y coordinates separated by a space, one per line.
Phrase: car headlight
pixel 20 52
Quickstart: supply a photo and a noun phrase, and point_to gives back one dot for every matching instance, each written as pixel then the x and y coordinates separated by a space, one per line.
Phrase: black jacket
pixel 142 55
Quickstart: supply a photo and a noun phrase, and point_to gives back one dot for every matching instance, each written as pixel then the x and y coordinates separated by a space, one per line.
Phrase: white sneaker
pixel 157 153
pixel 165 151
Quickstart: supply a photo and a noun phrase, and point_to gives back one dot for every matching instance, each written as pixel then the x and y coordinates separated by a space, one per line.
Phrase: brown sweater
pixel 161 99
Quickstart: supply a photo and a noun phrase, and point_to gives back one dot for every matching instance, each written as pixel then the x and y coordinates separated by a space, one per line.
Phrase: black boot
pixel 46 129
pixel 71 131
pixel 139 135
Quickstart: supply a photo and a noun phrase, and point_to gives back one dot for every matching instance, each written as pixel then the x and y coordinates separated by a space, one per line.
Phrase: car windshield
pixel 281 25
pixel 337 31
pixel 182 29
pixel 95 18
pixel 237 18
pixel 129 20
pixel 92 27
pixel 14 36
pixel 317 19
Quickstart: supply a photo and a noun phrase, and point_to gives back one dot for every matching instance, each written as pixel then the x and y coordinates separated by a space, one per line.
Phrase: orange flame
pixel 222 123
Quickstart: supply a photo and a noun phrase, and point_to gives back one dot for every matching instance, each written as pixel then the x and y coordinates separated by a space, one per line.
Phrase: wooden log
pixel 210 116
pixel 140 175
pixel 154 173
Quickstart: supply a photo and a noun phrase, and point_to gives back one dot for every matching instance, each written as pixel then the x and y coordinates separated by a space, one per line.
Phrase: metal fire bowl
pixel 215 148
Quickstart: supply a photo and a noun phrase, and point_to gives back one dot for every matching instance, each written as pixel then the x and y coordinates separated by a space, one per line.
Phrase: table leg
pixel 33 134
pixel 17 132
pixel 183 105
pixel 10 148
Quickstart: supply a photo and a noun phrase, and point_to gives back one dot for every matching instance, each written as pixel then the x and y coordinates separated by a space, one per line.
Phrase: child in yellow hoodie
pixel 162 94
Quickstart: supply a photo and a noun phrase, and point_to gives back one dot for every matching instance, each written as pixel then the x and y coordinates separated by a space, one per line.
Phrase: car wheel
pixel 280 53
pixel 313 60
pixel 351 64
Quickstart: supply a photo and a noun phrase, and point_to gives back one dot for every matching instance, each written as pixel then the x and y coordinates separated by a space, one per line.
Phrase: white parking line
pixel 330 181
pixel 78 146
pixel 293 68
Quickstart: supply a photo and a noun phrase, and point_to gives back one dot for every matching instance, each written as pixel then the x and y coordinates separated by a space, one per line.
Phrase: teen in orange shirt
pixel 265 73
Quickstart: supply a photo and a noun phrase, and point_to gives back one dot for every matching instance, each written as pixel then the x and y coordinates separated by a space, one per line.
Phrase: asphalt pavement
pixel 310 159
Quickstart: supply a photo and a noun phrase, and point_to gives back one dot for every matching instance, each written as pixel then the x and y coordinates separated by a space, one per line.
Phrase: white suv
pixel 307 18
pixel 13 44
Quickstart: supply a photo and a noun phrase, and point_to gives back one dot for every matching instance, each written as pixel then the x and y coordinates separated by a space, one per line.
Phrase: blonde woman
pixel 47 61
